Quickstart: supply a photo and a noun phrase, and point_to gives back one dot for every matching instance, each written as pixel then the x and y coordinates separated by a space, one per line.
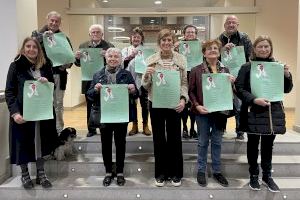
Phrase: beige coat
pixel 156 62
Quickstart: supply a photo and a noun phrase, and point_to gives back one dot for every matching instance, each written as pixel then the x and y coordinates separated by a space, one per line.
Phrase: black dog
pixel 65 144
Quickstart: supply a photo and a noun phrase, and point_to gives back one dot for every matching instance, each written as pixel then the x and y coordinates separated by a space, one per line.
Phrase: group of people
pixel 119 68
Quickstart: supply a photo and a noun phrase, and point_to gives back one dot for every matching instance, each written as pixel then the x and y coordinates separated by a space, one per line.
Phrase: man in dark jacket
pixel 59 73
pixel 231 37
pixel 96 41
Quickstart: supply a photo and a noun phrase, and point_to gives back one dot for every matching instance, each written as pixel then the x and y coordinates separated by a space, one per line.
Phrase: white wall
pixel 279 20
pixel 8 39
pixel 27 19
pixel 297 78
pixel 18 19
pixel 4 141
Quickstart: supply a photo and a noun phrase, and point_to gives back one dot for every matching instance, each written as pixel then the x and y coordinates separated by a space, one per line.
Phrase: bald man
pixel 231 37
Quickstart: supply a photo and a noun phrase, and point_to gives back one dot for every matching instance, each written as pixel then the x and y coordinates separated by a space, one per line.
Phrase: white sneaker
pixel 176 182
pixel 160 181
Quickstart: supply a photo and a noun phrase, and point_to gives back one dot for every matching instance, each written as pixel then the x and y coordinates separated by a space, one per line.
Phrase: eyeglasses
pixel 190 32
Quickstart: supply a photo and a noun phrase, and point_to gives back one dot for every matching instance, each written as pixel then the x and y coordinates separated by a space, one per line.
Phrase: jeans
pixel 58 103
pixel 206 129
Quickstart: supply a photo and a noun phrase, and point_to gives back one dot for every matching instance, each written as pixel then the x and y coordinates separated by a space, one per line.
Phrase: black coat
pixel 238 39
pixel 123 77
pixel 22 148
pixel 260 120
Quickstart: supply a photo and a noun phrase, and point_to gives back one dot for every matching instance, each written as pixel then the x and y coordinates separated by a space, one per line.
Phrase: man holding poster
pixel 234 41
pixel 59 72
pixel 96 42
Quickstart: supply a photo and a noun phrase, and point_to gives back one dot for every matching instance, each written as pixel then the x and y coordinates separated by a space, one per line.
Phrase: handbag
pixel 94 120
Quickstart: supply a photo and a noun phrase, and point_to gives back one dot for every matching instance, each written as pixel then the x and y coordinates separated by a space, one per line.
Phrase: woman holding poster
pixel 30 141
pixel 265 118
pixel 165 121
pixel 112 74
pixel 210 125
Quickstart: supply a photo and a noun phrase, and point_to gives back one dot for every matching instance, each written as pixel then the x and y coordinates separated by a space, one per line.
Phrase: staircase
pixel 81 177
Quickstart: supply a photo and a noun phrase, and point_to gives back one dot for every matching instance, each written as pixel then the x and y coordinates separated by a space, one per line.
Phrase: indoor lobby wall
pixel 279 20
pixel 275 18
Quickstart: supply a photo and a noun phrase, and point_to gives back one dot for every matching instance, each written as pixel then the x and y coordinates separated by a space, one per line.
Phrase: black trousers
pixel 89 105
pixel 166 128
pixel 119 131
pixel 185 114
pixel 144 104
pixel 266 148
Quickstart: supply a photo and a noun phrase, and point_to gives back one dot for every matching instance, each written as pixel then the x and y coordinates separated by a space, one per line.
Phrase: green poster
pixel 37 101
pixel 139 60
pixel 267 80
pixel 114 103
pixel 58 49
pixel 91 61
pixel 217 92
pixel 234 59
pixel 166 89
pixel 192 51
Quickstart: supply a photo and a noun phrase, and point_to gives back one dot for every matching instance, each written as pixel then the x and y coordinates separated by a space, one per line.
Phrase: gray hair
pixel 53 13
pixel 98 26
pixel 113 50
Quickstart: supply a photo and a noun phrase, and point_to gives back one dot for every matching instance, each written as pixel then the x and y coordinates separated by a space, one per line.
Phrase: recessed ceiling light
pixel 121 38
pixel 104 1
pixel 201 28
pixel 157 2
pixel 115 29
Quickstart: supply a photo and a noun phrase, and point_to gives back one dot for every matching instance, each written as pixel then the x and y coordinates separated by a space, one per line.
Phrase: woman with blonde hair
pixel 30 141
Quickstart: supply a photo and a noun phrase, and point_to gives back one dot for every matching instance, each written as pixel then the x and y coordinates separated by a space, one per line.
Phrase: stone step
pixel 287 144
pixel 90 187
pixel 233 165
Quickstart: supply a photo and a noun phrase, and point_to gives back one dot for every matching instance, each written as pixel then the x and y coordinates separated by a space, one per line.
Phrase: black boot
pixel 41 178
pixel 25 178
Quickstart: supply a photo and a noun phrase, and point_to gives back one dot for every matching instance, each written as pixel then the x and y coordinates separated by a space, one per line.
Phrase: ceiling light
pixel 121 38
pixel 105 1
pixel 157 2
pixel 201 28
pixel 115 29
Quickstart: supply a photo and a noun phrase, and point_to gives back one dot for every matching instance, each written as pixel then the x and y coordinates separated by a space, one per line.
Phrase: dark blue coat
pixel 123 77
pixel 22 148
